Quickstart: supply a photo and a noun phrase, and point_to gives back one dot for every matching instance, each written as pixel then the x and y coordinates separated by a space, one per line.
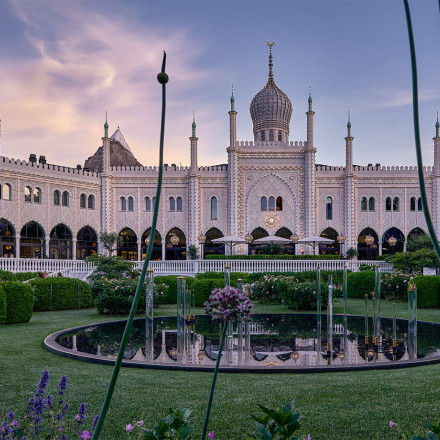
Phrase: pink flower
pixel 129 427
pixel 14 423
pixel 391 424
pixel 85 435
pixel 78 417
pixel 140 423
pixel 211 435
pixel 309 437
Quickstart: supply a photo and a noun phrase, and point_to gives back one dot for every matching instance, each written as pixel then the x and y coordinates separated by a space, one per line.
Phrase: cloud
pixel 84 63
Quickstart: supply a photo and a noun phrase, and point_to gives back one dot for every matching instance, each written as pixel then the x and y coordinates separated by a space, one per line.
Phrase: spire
pixel 232 99
pixel 310 99
pixel 194 125
pixel 270 58
pixel 437 127
pixel 106 126
pixel 349 126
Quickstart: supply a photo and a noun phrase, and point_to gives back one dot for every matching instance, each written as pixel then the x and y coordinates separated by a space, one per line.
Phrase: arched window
pixel 388 204
pixel 396 203
pixel 65 199
pixel 371 203
pixel 329 208
pixel 6 193
pixel 27 194
pixel 82 201
pixel 263 136
pixel 179 203
pixel 279 204
pixel 419 204
pixel 154 202
pixel 37 195
pixel 271 136
pixel 172 204
pixel 412 204
pixel 280 136
pixel 130 204
pixel 91 200
pixel 213 208
pixel 263 203
pixel 363 204
pixel 56 197
pixel 123 204
pixel 147 204
pixel 271 203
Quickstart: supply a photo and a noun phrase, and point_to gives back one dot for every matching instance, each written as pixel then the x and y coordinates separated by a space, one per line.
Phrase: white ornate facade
pixel 270 183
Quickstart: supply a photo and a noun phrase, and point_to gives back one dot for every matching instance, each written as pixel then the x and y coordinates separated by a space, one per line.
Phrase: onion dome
pixel 271 108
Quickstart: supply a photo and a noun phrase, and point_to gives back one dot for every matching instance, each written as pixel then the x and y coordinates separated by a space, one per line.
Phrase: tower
pixel 349 199
pixel 436 178
pixel 106 183
pixel 193 191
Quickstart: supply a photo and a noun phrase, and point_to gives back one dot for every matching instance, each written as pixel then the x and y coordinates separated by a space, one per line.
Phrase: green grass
pixel 337 406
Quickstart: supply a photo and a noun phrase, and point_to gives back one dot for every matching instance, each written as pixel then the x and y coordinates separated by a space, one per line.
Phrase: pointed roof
pixel 119 137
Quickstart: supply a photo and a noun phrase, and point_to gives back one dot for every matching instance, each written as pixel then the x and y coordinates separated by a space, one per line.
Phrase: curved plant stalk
pixel 163 79
pixel 214 380
pixel 417 133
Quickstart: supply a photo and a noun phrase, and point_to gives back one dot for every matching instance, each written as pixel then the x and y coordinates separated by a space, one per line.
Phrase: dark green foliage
pixel 174 425
pixel 416 243
pixel 64 294
pixel 278 423
pixel 300 276
pixel 273 257
pixel 428 291
pixel 193 252
pixel 2 305
pixel 244 276
pixel 352 253
pixel 202 289
pixel 360 283
pixel 433 432
pixel 111 268
pixel 19 276
pixel 171 282
pixel 394 286
pixel 19 301
pixel 274 249
pixel 7 276
pixel 302 296
pixel 363 267
pixel 413 261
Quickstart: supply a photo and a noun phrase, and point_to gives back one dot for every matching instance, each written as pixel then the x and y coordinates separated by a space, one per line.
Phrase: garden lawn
pixel 337 406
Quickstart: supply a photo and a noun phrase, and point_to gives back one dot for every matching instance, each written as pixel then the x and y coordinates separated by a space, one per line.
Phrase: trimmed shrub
pixel 171 281
pixel 2 305
pixel 360 283
pixel 394 286
pixel 202 289
pixel 220 275
pixel 64 294
pixel 19 301
pixel 428 291
pixel 302 296
pixel 301 277
pixel 7 276
pixel 273 257
pixel 25 276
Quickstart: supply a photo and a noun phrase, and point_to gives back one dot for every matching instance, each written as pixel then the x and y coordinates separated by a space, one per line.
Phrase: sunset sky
pixel 64 63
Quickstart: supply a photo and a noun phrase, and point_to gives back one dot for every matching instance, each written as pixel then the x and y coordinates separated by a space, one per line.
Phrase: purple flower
pixel 227 304
pixel 140 423
pixel 85 435
pixel 10 415
pixel 391 424
pixel 94 422
pixel 211 435
pixel 81 416
pixel 14 423
pixel 129 427
pixel 44 382
pixel 63 437
pixel 62 386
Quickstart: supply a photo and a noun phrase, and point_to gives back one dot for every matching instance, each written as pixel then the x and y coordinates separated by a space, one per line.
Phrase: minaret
pixel 106 189
pixel 436 178
pixel 233 153
pixel 349 199
pixel 309 177
pixel 194 191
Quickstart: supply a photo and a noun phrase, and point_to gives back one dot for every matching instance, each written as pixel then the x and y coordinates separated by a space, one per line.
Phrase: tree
pixel 418 242
pixel 110 241
pixel 193 253
pixel 352 253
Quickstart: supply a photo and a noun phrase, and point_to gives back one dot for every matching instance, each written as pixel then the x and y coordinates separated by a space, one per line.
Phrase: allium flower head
pixel 211 435
pixel 129 427
pixel 227 304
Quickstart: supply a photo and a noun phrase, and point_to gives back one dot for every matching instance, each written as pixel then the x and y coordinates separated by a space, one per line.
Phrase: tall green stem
pixel 162 78
pixel 214 380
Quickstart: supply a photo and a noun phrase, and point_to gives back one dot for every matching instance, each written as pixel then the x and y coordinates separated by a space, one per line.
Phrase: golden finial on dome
pixel 270 44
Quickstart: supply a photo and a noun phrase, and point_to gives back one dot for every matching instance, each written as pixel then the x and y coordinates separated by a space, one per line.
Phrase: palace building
pixel 270 185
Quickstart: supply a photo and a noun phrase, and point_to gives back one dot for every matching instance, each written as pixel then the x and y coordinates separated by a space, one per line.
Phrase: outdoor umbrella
pixel 271 240
pixel 314 241
pixel 229 240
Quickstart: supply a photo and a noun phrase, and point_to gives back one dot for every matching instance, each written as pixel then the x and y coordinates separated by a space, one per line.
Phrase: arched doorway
pixel 256 234
pixel 60 243
pixel 128 250
pixel 157 245
pixel 416 232
pixel 32 241
pixel 210 248
pixel 330 248
pixel 288 249
pixel 176 250
pixel 368 251
pixel 86 243
pixel 7 239
pixel 387 249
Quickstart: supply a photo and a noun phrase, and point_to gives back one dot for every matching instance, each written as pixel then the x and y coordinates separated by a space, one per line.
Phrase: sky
pixel 64 63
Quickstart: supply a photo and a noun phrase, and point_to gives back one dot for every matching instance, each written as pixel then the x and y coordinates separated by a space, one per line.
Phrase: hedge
pixel 428 291
pixel 19 301
pixel 273 257
pixel 302 277
pixel 171 282
pixel 64 294
pixel 360 283
pixel 202 289
pixel 221 275
pixel 19 276
pixel 2 305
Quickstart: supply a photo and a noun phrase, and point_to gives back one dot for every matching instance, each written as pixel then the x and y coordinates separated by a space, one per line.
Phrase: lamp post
pixel 175 241
pixel 294 238
pixel 369 240
pixel 202 240
pixel 392 242
pixel 249 239
pixel 341 240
